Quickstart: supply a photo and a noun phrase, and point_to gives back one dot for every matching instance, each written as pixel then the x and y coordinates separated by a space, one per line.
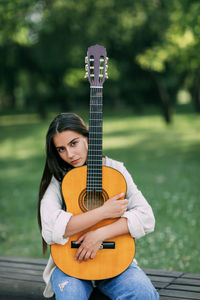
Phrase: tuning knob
pixel 86 67
pixel 107 59
pixel 106 75
pixel 86 75
pixel 86 59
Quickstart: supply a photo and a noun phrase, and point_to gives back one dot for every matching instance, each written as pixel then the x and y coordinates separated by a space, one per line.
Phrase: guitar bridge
pixel 104 245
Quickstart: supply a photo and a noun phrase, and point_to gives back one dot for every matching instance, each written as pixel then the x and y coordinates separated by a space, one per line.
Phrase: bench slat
pixel 184 287
pixel 20 271
pixel 22 266
pixel 164 273
pixel 179 294
pixel 16 288
pixel 187 281
pixel 21 277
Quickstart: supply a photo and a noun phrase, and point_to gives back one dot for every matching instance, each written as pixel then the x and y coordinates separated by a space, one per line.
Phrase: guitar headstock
pixel 96 65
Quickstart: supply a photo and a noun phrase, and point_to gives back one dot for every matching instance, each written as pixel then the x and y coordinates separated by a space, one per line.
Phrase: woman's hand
pixel 114 207
pixel 90 243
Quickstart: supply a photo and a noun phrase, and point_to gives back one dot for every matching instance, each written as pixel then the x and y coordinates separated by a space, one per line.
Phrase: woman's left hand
pixel 90 243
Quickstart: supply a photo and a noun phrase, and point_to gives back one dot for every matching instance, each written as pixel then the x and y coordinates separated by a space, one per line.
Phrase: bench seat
pixel 21 279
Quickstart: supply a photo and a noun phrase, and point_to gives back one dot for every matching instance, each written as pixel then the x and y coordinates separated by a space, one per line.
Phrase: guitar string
pixel 93 132
pixel 94 182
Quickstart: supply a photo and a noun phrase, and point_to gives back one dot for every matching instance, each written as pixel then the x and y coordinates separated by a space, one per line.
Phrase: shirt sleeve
pixel 139 213
pixel 53 218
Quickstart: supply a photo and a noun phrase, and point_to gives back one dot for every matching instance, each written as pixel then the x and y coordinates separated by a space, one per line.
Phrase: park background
pixel 151 111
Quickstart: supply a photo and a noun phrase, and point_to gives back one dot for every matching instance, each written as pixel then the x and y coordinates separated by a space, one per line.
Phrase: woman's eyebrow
pixel 73 140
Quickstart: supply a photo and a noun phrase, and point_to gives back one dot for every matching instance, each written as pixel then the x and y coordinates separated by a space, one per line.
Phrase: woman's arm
pixel 112 208
pixel 139 213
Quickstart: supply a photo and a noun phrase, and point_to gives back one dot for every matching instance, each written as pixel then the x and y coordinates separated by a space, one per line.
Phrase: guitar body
pixel 107 262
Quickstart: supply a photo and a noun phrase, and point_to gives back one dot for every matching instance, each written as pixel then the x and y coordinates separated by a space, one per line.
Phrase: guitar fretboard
pixel 94 166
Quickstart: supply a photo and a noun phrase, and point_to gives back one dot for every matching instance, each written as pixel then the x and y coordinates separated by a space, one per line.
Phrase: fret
pixel 96 112
pixel 95 186
pixel 95 190
pixel 95 172
pixel 96 147
pixel 96 133
pixel 92 185
pixel 96 181
pixel 95 158
pixel 95 119
pixel 92 188
pixel 96 161
pixel 96 100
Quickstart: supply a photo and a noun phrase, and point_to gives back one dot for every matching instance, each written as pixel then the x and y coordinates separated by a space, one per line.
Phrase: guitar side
pixel 107 262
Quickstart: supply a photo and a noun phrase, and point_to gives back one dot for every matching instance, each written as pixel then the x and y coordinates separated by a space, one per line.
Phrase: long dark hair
pixel 54 165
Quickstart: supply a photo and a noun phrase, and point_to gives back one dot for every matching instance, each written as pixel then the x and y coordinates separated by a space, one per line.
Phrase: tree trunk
pixel 196 96
pixel 164 100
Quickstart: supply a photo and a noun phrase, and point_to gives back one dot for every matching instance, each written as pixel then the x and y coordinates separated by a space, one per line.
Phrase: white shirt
pixel 54 219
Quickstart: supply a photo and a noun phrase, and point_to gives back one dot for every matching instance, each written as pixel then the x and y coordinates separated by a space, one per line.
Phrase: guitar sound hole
pixel 91 200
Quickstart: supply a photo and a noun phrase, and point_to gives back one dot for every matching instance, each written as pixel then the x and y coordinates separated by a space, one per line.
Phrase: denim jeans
pixel 132 284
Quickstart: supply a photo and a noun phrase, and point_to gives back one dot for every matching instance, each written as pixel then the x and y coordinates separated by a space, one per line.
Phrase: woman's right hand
pixel 114 207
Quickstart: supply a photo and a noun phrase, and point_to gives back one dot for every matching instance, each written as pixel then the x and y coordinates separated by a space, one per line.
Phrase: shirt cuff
pixel 59 228
pixel 134 225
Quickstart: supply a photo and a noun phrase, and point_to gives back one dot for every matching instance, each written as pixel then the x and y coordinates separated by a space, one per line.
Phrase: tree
pixel 152 44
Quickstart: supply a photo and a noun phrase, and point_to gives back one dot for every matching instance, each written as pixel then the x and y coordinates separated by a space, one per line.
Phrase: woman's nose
pixel 70 153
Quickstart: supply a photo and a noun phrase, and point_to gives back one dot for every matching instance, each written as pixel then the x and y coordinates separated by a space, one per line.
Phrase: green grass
pixel 163 160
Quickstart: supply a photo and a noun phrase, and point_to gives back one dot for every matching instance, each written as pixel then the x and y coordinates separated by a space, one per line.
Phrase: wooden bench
pixel 21 279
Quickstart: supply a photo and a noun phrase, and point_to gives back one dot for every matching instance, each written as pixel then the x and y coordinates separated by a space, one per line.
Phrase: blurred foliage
pixel 153 47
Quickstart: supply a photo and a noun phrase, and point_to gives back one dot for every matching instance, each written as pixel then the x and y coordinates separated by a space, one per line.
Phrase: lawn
pixel 163 160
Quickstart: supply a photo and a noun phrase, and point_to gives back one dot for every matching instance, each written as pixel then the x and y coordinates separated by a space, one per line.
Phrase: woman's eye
pixel 61 149
pixel 74 144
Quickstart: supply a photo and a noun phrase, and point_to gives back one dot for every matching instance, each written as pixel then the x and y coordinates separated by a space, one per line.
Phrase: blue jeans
pixel 132 284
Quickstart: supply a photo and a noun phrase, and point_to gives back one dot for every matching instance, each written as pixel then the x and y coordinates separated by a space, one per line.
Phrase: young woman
pixel 67 148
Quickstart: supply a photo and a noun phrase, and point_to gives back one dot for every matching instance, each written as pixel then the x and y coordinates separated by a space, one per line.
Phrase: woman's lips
pixel 74 162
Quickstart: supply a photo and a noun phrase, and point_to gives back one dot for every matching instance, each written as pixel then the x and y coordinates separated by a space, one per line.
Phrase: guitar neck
pixel 94 169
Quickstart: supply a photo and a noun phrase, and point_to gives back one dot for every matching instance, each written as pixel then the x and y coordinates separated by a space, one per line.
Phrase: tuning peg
pixel 106 75
pixel 86 59
pixel 86 75
pixel 106 67
pixel 107 59
pixel 86 67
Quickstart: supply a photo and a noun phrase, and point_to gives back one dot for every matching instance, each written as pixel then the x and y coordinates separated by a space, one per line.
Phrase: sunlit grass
pixel 163 160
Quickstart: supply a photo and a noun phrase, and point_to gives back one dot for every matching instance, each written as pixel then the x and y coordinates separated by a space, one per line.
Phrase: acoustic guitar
pixel 87 187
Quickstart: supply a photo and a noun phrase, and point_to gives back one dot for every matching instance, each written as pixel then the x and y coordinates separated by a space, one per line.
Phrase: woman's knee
pixel 144 291
pixel 66 287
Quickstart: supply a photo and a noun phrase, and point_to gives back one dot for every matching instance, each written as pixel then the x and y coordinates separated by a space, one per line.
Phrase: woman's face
pixel 72 147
